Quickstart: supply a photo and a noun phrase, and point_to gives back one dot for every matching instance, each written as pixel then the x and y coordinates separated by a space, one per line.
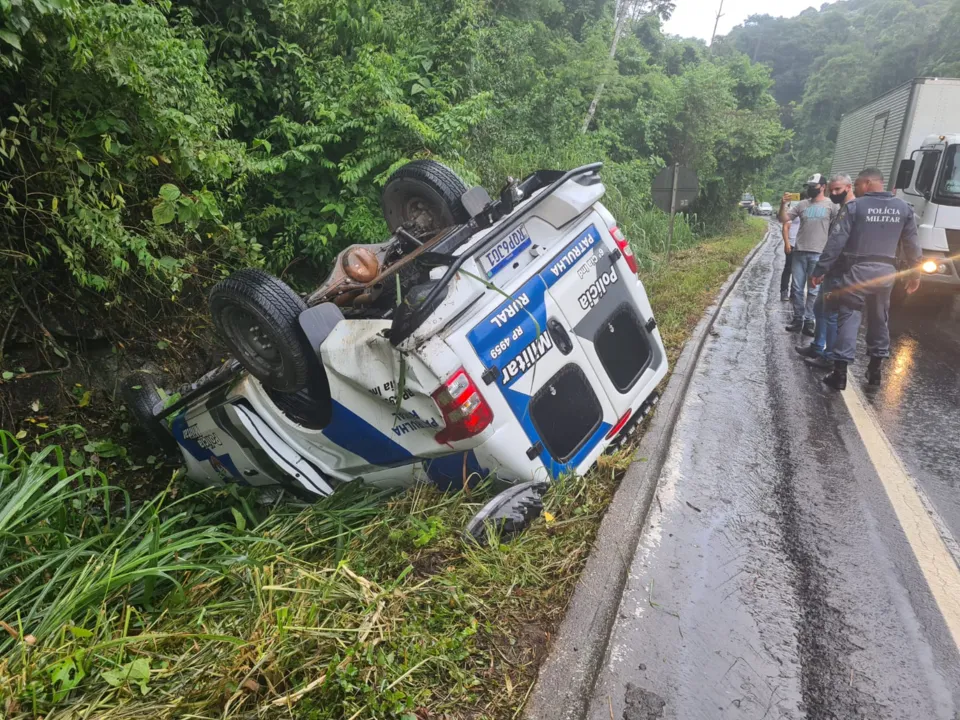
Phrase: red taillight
pixel 619 426
pixel 465 412
pixel 625 248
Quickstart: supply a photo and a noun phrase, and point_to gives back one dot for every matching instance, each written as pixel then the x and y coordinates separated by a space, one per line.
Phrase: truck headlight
pixel 929 267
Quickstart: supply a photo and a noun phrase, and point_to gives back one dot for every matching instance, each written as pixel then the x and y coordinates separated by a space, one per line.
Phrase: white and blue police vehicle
pixel 507 337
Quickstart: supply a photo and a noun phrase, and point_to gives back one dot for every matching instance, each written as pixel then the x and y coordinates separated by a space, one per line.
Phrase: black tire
pixel 256 316
pixel 424 194
pixel 140 395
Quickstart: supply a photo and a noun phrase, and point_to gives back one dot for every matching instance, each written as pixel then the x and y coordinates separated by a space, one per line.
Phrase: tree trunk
pixel 620 19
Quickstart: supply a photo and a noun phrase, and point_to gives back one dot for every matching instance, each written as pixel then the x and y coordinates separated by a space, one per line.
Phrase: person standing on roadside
pixel 815 215
pixel 789 235
pixel 862 254
pixel 819 353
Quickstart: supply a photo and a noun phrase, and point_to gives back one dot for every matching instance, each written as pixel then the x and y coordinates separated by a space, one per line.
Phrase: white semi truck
pixel 912 134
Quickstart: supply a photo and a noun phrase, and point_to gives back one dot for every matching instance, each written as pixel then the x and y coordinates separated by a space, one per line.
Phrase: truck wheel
pixel 423 193
pixel 140 395
pixel 256 315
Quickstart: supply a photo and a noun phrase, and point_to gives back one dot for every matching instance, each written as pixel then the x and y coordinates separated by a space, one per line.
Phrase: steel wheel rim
pixel 253 342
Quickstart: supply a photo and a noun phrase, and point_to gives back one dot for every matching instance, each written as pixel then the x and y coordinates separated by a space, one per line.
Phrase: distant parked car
pixel 747 202
pixel 765 208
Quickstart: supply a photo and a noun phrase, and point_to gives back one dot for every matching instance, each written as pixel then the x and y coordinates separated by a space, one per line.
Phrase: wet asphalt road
pixel 773 579
pixel 919 405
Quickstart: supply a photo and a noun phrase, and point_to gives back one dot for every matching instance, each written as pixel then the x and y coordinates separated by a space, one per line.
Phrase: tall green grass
pixel 69 542
pixel 648 229
pixel 202 606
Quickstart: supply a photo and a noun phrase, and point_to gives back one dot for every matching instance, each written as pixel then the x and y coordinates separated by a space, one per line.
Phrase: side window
pixel 927 172
pixel 950 178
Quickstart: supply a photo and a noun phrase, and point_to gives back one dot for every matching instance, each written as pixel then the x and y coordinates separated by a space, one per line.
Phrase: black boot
pixel 809 328
pixel 795 326
pixel 819 362
pixel 873 371
pixel 838 378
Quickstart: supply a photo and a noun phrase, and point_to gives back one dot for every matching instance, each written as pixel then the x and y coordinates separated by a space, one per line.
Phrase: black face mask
pixel 839 198
pixel 812 192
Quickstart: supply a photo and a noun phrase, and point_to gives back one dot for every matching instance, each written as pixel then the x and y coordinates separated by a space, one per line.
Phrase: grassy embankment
pixel 682 292
pixel 206 606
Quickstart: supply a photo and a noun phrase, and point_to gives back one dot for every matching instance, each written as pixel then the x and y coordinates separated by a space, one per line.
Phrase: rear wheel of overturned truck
pixel 423 196
pixel 256 315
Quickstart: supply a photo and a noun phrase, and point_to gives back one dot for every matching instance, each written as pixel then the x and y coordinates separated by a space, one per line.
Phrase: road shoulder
pixel 566 679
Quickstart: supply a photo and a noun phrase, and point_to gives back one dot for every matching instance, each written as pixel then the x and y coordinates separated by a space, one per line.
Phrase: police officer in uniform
pixel 862 253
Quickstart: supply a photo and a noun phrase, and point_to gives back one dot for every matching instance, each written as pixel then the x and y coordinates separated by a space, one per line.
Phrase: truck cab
pixel 929 181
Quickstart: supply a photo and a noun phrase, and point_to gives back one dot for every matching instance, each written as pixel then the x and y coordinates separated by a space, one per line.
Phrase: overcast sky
pixel 695 18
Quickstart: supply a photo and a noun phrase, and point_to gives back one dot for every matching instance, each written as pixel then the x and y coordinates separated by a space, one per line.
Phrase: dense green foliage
pixel 145 144
pixel 825 63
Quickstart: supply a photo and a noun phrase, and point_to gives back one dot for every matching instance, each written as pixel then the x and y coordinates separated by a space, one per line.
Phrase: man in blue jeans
pixel 815 215
pixel 819 353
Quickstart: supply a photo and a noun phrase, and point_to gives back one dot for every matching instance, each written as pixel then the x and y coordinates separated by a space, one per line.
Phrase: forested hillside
pixel 827 62
pixel 147 145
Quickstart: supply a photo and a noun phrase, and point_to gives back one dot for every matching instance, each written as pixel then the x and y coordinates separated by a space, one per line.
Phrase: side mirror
pixel 904 174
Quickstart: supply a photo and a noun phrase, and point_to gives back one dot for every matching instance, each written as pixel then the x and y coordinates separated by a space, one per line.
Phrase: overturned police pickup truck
pixel 508 337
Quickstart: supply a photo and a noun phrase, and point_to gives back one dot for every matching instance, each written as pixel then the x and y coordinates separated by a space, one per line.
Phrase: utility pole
pixel 717 22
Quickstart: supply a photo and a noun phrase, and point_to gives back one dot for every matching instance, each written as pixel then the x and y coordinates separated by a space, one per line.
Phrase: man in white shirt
pixel 816 214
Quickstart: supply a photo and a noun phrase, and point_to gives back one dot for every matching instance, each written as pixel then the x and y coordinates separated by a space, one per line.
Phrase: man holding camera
pixel 815 214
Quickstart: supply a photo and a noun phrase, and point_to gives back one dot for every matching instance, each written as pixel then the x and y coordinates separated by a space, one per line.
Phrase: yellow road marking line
pixel 927 542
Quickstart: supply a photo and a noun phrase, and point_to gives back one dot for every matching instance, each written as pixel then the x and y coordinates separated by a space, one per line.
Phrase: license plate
pixel 499 256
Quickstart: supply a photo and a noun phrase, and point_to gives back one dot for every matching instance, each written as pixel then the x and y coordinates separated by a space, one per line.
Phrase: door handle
pixel 559 336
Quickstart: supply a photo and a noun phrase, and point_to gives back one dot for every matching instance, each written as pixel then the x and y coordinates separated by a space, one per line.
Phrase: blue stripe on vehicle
pixel 201 453
pixel 353 433
pixel 447 472
pixel 518 322
pixel 567 259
